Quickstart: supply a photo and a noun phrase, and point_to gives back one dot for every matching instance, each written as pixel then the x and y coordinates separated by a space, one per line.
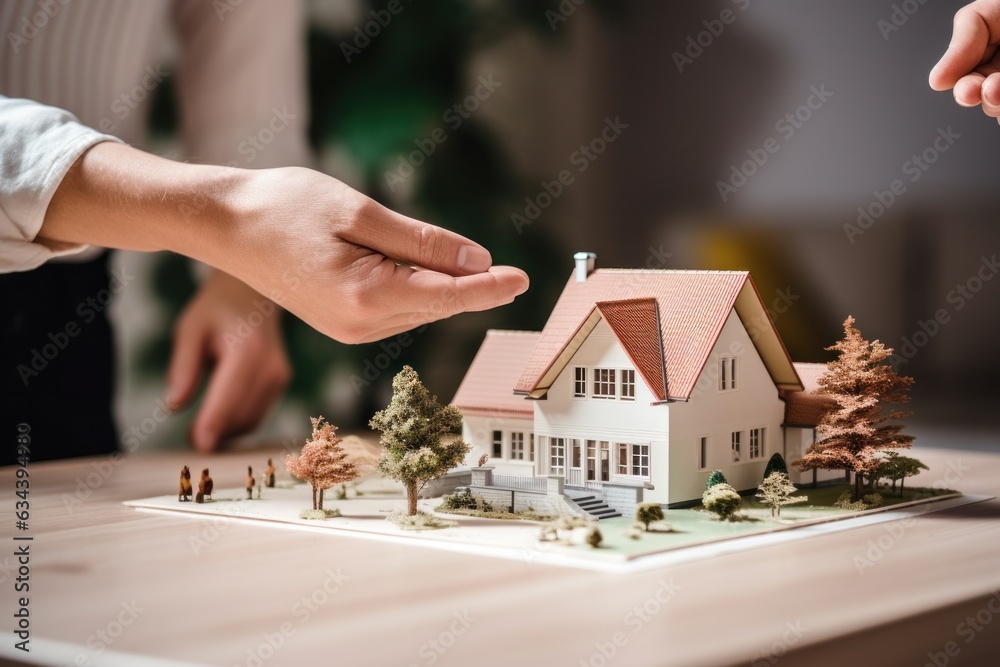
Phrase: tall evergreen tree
pixel 862 383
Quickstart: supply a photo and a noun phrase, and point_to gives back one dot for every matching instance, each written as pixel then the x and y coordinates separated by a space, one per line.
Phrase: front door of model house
pixel 598 460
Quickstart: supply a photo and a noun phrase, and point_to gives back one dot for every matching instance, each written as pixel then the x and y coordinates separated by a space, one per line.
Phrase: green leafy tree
pixel 858 429
pixel 416 432
pixel 897 468
pixel 723 500
pixel 647 513
pixel 776 490
pixel 775 464
pixel 716 477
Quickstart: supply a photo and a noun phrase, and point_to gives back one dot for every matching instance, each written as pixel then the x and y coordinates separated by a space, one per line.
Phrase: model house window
pixel 633 460
pixel 628 385
pixel 736 446
pixel 557 456
pixel 531 446
pixel 498 444
pixel 580 382
pixel 640 460
pixel 702 453
pixel 517 446
pixel 727 373
pixel 756 443
pixel 577 455
pixel 604 383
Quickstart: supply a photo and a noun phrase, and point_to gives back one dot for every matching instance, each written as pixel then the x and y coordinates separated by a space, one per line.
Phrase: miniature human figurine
pixel 250 482
pixel 185 492
pixel 269 475
pixel 204 487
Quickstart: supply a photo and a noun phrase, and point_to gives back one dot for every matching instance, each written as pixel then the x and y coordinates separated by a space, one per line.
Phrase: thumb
pixel 968 48
pixel 186 362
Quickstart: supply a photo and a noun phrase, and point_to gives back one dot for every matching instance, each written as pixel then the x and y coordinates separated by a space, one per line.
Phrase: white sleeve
pixel 38 145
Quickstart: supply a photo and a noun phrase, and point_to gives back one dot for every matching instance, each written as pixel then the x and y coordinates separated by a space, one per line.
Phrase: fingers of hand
pixel 187 360
pixel 968 48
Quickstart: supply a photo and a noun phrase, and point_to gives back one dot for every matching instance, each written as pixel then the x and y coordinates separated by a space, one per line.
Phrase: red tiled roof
pixel 693 307
pixel 636 325
pixel 486 387
pixel 806 408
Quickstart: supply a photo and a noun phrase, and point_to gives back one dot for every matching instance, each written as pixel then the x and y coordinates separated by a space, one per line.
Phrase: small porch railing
pixel 520 482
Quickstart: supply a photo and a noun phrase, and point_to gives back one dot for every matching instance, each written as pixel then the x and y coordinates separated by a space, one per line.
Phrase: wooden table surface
pixel 217 592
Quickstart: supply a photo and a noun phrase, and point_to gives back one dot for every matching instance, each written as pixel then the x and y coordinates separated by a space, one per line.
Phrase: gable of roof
pixel 691 307
pixel 486 387
pixel 636 325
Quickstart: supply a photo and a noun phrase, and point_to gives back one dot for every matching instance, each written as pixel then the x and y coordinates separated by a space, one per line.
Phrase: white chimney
pixel 584 265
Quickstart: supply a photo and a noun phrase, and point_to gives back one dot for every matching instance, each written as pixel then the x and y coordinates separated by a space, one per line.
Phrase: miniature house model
pixel 640 384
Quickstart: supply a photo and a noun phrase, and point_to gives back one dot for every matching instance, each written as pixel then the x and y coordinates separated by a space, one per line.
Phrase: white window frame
pixel 728 374
pixel 605 383
pixel 703 452
pixel 627 386
pixel 579 382
pixel 517 445
pixel 557 456
pixel 735 443
pixel 496 441
pixel 756 441
pixel 636 459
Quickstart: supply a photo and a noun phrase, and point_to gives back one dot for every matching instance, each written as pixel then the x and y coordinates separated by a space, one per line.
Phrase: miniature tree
pixel 897 468
pixel 775 464
pixel 853 432
pixel 414 427
pixel 647 513
pixel 323 461
pixel 593 537
pixel 776 490
pixel 723 500
pixel 716 477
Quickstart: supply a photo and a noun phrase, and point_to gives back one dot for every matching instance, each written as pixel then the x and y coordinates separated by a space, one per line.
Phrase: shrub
pixel 548 534
pixel 594 537
pixel 319 515
pixel 419 521
pixel 775 464
pixel 873 500
pixel 715 478
pixel 722 499
pixel 647 513
pixel 867 502
pixel 466 500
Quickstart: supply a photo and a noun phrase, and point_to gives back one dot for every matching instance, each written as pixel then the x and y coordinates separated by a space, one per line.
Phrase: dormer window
pixel 727 373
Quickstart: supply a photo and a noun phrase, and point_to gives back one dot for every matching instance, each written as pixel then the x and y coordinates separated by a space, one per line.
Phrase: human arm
pixel 313 245
pixel 971 65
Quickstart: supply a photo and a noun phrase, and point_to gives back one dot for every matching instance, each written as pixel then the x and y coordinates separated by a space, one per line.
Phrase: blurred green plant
pixel 393 92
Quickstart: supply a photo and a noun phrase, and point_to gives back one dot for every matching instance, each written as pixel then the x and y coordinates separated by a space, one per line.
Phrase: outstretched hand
pixel 971 65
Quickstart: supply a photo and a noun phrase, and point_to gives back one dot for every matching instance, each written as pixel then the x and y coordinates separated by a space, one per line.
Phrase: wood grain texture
pixel 246 580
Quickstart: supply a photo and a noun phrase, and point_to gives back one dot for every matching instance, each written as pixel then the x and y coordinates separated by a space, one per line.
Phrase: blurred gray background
pixel 652 197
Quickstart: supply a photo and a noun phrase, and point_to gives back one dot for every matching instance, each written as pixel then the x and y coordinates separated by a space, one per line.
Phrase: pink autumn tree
pixel 323 461
pixel 860 428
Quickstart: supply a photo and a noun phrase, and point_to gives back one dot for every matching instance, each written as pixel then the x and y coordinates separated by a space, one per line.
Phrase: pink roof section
pixel 806 408
pixel 636 325
pixel 486 388
pixel 693 307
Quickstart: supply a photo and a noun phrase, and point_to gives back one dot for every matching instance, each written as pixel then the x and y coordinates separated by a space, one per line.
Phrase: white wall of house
pixel 478 431
pixel 797 441
pixel 713 413
pixel 561 415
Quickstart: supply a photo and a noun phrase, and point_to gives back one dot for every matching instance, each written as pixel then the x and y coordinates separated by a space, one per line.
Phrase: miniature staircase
pixel 595 507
